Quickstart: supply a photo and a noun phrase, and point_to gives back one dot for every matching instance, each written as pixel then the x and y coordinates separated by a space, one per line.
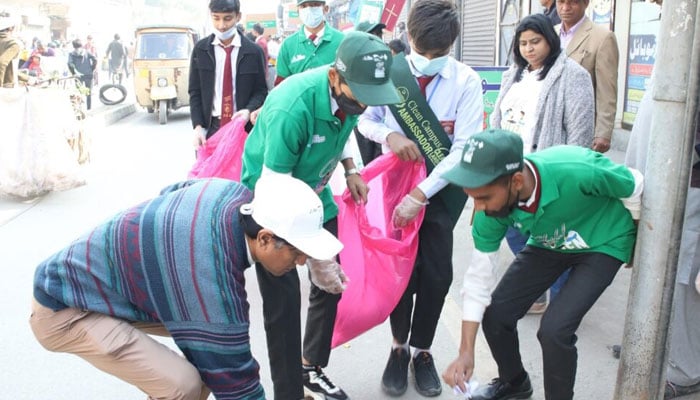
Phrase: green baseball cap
pixel 487 156
pixel 364 61
pixel 366 26
pixel 300 2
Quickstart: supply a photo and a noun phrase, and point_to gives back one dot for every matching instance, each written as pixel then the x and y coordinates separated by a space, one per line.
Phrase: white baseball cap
pixel 294 212
pixel 7 20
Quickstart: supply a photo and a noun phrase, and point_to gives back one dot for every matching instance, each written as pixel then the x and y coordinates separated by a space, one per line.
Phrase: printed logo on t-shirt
pixel 298 58
pixel 562 240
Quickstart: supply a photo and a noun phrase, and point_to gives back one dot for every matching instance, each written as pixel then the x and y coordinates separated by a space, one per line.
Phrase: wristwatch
pixel 351 171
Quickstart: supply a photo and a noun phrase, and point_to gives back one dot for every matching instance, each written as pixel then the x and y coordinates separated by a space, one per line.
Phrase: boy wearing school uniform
pixel 450 111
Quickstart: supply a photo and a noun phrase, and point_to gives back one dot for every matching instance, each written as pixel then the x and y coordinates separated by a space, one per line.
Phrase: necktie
pixel 340 115
pixel 312 38
pixel 227 91
pixel 423 82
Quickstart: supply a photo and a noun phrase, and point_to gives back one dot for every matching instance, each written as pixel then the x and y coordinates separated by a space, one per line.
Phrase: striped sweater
pixel 177 259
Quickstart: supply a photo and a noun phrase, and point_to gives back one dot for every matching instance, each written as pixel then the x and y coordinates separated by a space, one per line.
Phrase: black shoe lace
pixel 327 384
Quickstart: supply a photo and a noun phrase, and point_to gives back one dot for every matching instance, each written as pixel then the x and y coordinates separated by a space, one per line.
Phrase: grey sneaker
pixel 318 386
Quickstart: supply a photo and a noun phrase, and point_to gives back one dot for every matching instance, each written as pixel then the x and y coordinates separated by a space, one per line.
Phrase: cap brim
pixel 323 246
pixel 467 179
pixel 375 95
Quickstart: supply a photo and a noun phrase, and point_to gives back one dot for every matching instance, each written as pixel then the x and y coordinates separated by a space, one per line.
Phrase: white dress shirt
pixel 455 96
pixel 220 58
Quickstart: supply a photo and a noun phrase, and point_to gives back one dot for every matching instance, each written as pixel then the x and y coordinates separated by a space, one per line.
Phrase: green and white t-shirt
pixel 579 209
pixel 298 53
pixel 296 132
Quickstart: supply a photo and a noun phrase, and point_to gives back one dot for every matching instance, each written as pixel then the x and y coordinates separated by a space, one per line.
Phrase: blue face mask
pixel 226 35
pixel 428 67
pixel 311 17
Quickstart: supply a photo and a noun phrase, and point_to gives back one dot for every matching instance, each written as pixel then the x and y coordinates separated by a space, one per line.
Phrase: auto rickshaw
pixel 162 66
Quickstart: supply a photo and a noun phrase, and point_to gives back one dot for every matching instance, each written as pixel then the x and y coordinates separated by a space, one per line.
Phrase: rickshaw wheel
pixel 163 111
pixel 112 94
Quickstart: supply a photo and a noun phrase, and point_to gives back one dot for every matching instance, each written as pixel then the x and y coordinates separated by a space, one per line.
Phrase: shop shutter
pixel 479 20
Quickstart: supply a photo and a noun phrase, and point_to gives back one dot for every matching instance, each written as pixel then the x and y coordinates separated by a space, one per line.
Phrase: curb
pixel 112 114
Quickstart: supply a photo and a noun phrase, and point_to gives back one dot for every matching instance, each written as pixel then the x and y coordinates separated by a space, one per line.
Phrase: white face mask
pixel 428 67
pixel 226 35
pixel 311 17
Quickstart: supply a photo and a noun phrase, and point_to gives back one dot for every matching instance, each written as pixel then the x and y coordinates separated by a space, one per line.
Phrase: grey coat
pixel 565 107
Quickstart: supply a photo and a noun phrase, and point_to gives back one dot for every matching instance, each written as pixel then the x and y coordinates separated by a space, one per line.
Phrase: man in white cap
pixel 174 266
pixel 303 131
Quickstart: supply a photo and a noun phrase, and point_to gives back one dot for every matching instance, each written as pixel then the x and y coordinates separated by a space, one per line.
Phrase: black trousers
pixel 369 150
pixel 281 311
pixel 532 272
pixel 430 281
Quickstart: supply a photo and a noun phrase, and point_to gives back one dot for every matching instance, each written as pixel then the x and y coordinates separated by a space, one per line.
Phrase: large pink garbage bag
pixel 220 156
pixel 377 257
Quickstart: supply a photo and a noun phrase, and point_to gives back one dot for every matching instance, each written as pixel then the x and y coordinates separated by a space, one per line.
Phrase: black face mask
pixel 348 106
pixel 507 208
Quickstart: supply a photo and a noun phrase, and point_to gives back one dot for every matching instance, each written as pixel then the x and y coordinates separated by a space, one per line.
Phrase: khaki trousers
pixel 121 349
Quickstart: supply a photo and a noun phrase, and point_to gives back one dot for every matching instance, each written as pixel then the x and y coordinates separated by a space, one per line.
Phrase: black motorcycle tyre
pixel 109 102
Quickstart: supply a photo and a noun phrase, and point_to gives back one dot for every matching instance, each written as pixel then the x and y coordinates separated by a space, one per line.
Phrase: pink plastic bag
pixel 377 257
pixel 220 156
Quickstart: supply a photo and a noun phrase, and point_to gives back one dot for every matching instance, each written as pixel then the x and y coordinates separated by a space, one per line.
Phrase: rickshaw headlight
pixel 162 82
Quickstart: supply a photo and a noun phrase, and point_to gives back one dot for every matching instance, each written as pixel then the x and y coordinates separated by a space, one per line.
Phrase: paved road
pixel 131 161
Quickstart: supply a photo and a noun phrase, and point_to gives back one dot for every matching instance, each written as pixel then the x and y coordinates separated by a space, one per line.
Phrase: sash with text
pixel 419 123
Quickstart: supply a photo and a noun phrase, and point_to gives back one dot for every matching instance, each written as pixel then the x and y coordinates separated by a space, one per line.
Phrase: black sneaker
pixel 395 377
pixel 427 379
pixel 499 390
pixel 672 390
pixel 318 386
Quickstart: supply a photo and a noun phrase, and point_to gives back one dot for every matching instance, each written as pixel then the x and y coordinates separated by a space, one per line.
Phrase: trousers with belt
pixel 281 311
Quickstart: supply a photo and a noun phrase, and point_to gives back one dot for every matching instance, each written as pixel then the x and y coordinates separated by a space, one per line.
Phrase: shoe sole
pixel 313 395
pixel 519 396
pixel 392 392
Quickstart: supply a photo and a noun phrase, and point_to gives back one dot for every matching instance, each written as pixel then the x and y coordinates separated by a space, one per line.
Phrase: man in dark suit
pixel 224 63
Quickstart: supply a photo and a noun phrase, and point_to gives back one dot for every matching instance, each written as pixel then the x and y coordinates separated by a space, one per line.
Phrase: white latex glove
pixel 697 283
pixel 200 137
pixel 244 113
pixel 327 275
pixel 254 115
pixel 406 211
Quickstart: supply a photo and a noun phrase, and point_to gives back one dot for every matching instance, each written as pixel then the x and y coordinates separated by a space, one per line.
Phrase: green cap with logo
pixel 364 61
pixel 487 156
pixel 366 26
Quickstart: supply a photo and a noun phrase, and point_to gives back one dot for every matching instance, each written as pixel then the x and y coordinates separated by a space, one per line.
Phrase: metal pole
pixel 642 364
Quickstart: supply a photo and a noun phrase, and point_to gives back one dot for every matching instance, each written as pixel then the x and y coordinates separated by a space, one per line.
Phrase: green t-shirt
pixel 297 132
pixel 298 54
pixel 579 209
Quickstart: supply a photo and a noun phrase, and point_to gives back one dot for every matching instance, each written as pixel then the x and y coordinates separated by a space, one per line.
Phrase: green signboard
pixel 490 86
pixel 265 24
